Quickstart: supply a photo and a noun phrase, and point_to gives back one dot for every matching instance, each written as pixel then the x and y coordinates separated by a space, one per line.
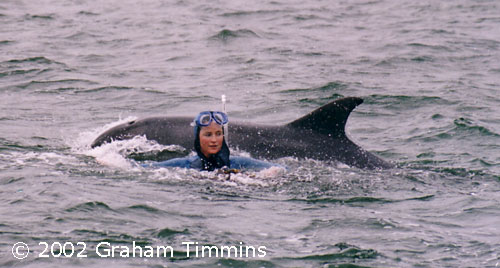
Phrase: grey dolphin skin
pixel 318 135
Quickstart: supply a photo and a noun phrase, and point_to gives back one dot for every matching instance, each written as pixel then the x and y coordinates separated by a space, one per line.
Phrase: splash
pixel 115 154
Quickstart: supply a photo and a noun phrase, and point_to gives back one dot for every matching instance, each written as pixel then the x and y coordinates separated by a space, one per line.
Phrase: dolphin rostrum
pixel 318 135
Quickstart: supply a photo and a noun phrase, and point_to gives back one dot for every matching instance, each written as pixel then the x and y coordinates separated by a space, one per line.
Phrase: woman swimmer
pixel 212 151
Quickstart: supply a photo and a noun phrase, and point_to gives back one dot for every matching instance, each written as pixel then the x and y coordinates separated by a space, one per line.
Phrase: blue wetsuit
pixel 236 162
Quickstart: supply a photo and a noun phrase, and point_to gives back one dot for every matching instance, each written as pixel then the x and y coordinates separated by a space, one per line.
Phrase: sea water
pixel 428 72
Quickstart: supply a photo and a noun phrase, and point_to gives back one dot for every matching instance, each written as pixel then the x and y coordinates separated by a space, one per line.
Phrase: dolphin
pixel 318 135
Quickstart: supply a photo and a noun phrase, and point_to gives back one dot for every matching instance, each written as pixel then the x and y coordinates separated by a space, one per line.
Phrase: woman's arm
pixel 184 162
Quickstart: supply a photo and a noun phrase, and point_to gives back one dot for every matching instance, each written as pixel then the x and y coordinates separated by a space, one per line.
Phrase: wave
pixel 40 17
pixel 6 42
pixel 111 237
pixel 346 251
pixel 251 13
pixel 35 84
pixel 92 206
pixel 360 199
pixel 39 59
pixel 228 35
pixel 466 125
pixel 323 93
pixel 406 100
pixel 28 68
pixel 167 232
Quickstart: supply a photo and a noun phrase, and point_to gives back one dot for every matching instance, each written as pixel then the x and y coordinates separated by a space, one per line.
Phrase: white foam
pixel 85 138
pixel 37 158
pixel 262 178
pixel 114 154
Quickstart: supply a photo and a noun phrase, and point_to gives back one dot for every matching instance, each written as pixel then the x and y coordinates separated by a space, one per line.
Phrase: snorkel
pixel 225 126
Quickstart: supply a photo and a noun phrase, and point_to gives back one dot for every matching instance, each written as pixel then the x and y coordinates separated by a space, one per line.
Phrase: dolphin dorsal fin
pixel 329 119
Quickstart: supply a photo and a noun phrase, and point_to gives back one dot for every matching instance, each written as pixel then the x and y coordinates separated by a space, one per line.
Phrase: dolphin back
pixel 164 130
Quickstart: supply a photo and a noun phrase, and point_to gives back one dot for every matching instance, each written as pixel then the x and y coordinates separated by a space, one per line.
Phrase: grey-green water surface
pixel 428 71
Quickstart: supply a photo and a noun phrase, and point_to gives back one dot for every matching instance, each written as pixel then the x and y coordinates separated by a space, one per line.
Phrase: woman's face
pixel 211 138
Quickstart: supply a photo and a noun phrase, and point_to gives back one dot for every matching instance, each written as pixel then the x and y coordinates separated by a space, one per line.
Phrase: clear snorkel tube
pixel 226 132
